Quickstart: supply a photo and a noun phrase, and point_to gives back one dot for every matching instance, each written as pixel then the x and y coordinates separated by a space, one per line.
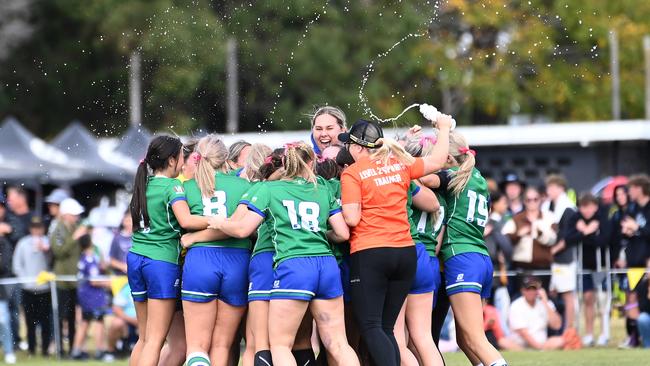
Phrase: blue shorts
pixel 344 267
pixel 212 273
pixel 307 278
pixel 435 267
pixel 469 272
pixel 260 277
pixel 424 280
pixel 152 279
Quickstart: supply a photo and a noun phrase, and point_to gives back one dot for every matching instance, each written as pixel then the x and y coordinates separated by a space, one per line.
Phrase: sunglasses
pixel 536 199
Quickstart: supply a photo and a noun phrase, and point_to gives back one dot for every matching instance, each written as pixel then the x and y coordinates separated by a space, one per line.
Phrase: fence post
pixel 55 320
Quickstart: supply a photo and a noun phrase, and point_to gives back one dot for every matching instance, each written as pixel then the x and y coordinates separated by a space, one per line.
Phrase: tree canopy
pixel 482 61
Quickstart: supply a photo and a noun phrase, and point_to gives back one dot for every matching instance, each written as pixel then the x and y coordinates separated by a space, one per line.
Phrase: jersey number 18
pixel 308 212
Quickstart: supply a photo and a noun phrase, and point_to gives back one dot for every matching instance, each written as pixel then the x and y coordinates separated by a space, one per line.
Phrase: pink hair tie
pixel 268 159
pixel 465 150
pixel 142 161
pixel 197 157
pixel 430 139
pixel 321 159
pixel 291 145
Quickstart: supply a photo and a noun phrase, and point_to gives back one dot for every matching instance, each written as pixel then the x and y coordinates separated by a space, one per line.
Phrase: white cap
pixel 70 206
pixel 57 196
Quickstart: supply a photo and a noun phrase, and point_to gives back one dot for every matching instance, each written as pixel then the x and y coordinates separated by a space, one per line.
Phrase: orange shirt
pixel 382 192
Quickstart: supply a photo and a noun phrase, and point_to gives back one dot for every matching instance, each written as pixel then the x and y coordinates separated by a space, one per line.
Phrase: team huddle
pixel 366 242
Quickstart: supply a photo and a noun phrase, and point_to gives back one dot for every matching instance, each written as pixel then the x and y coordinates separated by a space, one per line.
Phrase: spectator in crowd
pixel 53 201
pixel 327 123
pixel 19 217
pixel 513 187
pixel 6 253
pixel 237 155
pixel 91 296
pixel 500 249
pixel 121 245
pixel 66 252
pixel 634 224
pixel 499 245
pixel 564 266
pixel 494 330
pixel 531 233
pixel 636 239
pixel 617 213
pixel 643 293
pixel 531 315
pixel 618 245
pixel 124 323
pixel 590 227
pixel 31 258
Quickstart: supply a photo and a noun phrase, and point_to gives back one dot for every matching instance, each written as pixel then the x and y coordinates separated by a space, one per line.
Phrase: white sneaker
pixel 108 357
pixel 588 340
pixel 602 340
pixel 10 358
pixel 23 346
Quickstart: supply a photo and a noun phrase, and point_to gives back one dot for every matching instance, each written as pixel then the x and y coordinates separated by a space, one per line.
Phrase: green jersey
pixel 428 229
pixel 228 190
pixel 467 215
pixel 340 250
pixel 264 242
pixel 413 190
pixel 161 239
pixel 298 212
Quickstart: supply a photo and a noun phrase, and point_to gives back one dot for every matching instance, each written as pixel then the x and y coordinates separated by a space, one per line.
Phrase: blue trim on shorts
pixel 152 279
pixel 216 273
pixel 307 278
pixel 469 272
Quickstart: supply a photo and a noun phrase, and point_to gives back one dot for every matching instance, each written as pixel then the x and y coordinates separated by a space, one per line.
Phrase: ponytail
pixel 138 206
pixel 391 148
pixel 211 154
pixel 296 159
pixel 459 150
pixel 272 163
pixel 161 149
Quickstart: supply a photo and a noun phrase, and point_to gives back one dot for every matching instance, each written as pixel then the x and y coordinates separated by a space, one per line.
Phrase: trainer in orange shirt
pixel 383 257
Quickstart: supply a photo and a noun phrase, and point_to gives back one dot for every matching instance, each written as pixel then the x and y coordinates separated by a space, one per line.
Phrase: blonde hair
pixel 332 111
pixel 255 160
pixel 390 149
pixel 297 156
pixel 212 155
pixel 422 146
pixel 459 150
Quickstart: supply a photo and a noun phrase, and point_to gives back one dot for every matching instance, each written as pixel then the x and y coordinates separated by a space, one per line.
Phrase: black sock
pixel 263 358
pixel 305 357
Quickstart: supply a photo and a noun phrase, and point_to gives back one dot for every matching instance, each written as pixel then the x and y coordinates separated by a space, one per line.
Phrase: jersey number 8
pixel 482 208
pixel 308 212
pixel 215 205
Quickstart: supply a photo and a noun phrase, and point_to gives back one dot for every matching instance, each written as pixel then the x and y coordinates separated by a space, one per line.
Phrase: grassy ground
pixel 586 357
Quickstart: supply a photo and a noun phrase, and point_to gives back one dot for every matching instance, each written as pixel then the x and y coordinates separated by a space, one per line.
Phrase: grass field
pixel 585 357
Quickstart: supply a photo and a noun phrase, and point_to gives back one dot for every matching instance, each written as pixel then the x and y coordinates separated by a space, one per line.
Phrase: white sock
pixel 499 362
pixel 197 359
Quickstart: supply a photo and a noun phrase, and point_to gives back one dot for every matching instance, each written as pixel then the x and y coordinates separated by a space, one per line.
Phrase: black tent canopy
pixel 81 146
pixel 27 158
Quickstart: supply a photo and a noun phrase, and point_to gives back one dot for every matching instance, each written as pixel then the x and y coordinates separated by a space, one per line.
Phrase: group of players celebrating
pixel 371 240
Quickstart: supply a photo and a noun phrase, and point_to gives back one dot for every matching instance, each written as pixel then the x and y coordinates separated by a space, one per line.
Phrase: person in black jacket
pixel 6 253
pixel 590 227
pixel 635 225
pixel 636 243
